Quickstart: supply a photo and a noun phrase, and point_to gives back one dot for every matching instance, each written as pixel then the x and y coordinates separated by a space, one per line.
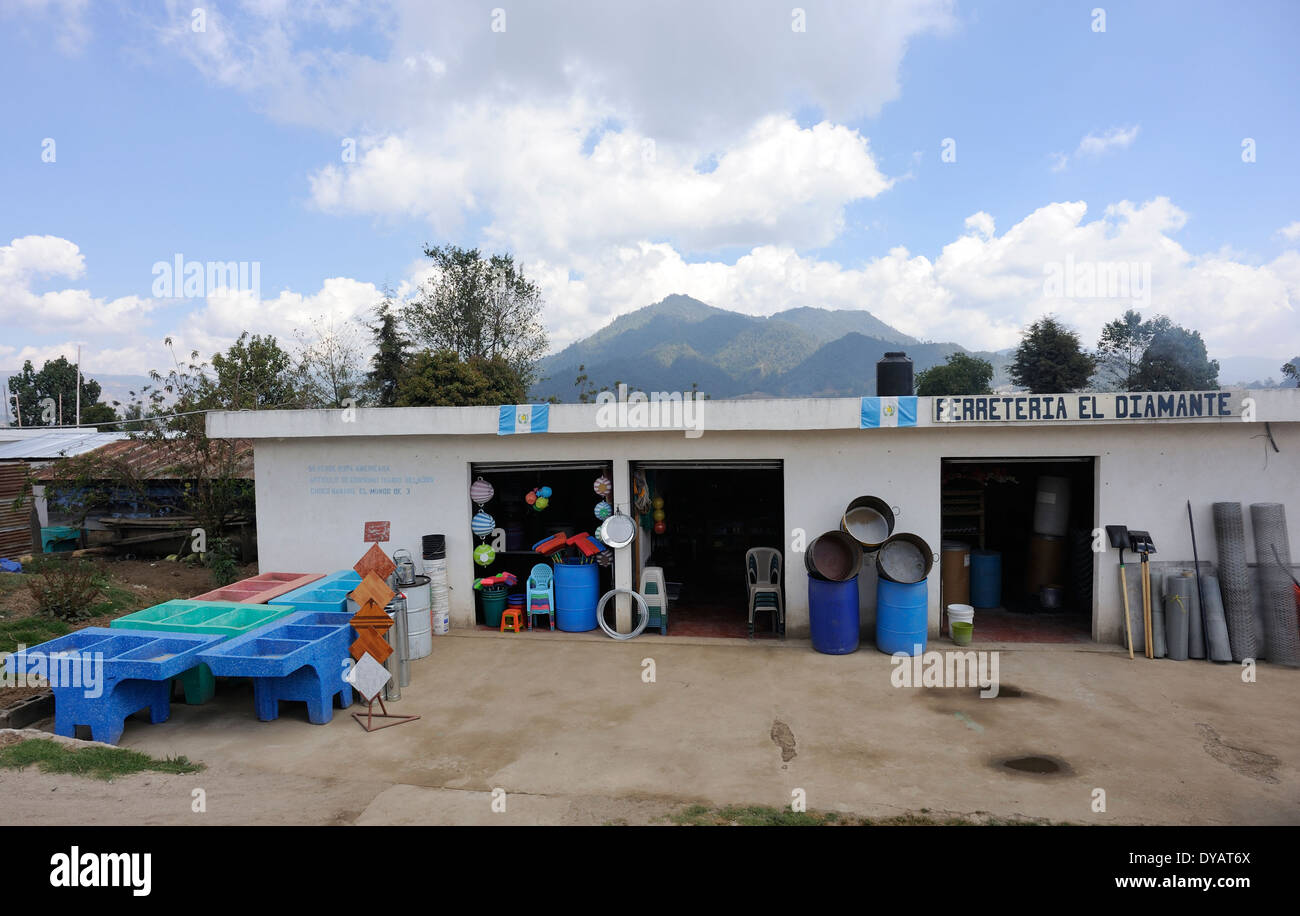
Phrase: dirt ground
pixel 566 729
pixel 133 586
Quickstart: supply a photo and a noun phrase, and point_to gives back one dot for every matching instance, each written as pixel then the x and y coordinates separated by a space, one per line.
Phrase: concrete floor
pixel 566 726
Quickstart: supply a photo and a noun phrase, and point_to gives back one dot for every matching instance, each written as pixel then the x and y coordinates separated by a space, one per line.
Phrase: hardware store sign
pixel 1037 408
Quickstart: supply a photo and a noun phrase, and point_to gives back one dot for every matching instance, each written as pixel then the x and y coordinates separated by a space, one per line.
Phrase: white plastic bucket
pixel 441 623
pixel 959 612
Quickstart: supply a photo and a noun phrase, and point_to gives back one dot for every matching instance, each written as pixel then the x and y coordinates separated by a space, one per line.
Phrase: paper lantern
pixel 480 491
pixel 602 486
pixel 605 557
pixel 484 554
pixel 482 524
pixel 604 510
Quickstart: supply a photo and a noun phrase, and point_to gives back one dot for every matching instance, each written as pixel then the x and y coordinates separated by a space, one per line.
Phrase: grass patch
pixel 96 762
pixel 765 816
pixel 115 601
pixel 30 631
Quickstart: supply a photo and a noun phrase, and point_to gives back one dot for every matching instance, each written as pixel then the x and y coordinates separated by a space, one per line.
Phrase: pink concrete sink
pixel 261 588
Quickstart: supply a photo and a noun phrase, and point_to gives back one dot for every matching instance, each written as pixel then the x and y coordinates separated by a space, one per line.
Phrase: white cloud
pixel 1114 138
pixel 526 168
pixel 67 17
pixel 1290 232
pixel 671 69
pixel 1095 144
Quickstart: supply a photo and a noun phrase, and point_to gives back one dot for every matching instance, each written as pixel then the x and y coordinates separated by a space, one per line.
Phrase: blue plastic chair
pixel 539 596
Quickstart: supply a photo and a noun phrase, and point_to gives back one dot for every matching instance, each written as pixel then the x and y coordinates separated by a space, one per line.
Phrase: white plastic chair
pixel 655 592
pixel 763 575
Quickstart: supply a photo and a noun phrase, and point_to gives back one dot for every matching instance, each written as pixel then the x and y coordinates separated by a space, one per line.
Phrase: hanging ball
pixel 482 524
pixel 604 510
pixel 604 558
pixel 544 492
pixel 480 491
pixel 542 503
pixel 530 497
pixel 660 527
pixel 602 486
pixel 484 554
pixel 659 515
pixel 658 502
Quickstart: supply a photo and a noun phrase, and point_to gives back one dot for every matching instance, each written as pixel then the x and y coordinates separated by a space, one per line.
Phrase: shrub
pixel 65 589
pixel 222 560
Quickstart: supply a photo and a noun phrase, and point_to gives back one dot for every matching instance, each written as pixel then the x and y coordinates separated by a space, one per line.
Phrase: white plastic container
pixel 959 612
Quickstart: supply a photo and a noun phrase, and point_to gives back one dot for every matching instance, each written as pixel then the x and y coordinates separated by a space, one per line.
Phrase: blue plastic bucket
pixel 577 588
pixel 833 615
pixel 901 616
pixel 985 578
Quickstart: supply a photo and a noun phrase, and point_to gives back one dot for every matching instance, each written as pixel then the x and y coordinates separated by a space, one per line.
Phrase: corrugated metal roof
pixel 64 444
pixel 149 460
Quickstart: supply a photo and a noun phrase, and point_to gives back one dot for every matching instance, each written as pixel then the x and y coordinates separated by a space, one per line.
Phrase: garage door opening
pixel 1027 523
pixel 519 525
pixel 713 513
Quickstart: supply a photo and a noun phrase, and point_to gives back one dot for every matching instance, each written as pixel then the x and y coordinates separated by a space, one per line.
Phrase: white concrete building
pixel 321 474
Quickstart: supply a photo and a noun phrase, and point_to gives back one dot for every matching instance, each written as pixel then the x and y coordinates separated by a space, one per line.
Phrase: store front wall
pixel 310 513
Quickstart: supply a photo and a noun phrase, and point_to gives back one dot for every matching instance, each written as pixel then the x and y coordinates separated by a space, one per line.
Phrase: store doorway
pixel 712 514
pixel 1028 523
pixel 519 525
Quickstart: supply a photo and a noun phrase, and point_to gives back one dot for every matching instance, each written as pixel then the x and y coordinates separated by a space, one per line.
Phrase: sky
pixel 958 169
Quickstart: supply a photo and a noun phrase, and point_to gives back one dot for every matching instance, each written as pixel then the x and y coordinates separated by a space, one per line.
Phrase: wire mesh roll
pixel 1234 580
pixel 1195 638
pixel 1159 644
pixel 1273 560
pixel 1217 645
pixel 1178 612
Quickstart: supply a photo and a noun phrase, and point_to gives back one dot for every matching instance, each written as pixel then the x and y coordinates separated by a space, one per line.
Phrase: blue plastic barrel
pixel 577 589
pixel 985 578
pixel 833 615
pixel 901 616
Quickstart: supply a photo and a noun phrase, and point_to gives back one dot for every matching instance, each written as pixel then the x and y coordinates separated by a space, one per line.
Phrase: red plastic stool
pixel 514 617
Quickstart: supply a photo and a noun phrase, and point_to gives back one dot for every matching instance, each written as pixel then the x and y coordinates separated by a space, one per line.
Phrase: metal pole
pixel 78 384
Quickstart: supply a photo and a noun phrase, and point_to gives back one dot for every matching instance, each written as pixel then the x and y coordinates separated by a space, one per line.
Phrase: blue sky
pixel 829 187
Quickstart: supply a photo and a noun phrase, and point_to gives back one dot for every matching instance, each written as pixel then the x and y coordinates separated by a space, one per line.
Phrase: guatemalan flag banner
pixel 878 412
pixel 524 418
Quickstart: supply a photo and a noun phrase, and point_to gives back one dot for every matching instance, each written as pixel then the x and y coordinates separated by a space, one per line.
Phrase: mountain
pixel 680 341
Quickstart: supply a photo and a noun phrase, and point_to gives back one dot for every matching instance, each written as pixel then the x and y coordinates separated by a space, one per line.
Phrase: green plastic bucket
pixel 962 632
pixel 494 602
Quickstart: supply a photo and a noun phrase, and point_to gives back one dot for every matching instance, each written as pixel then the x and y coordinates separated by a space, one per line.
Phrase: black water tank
pixel 894 375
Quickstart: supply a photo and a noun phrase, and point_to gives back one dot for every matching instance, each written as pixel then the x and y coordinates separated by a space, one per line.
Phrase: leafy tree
pixel 56 380
pixel 586 388
pixel 389 362
pixel 329 366
pixel 253 374
pixel 1176 360
pixel 1120 348
pixel 480 308
pixel 1050 359
pixel 962 374
pixel 1291 373
pixel 443 379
